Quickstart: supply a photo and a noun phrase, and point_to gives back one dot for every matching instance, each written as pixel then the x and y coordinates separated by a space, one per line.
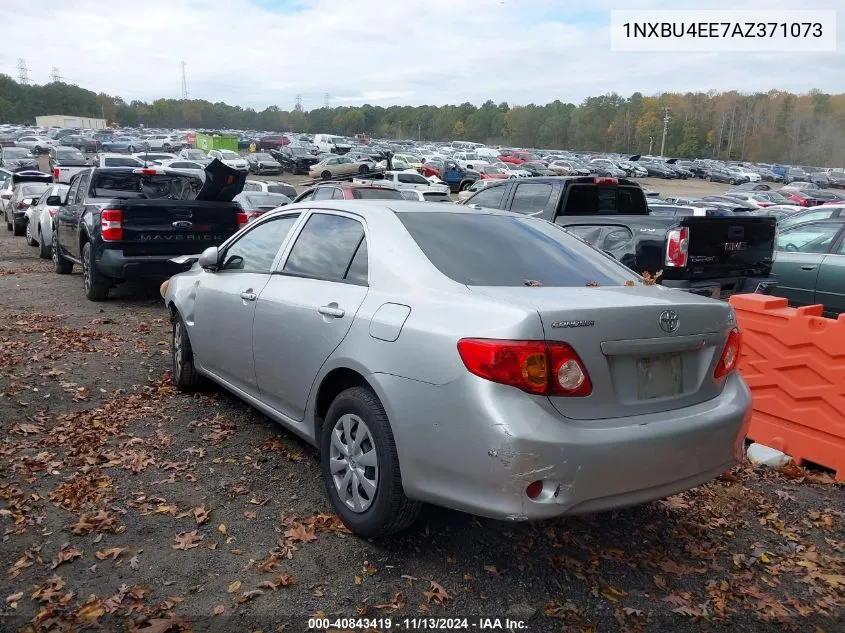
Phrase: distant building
pixel 76 122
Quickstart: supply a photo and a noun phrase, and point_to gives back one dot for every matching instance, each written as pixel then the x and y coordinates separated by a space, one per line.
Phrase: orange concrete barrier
pixel 793 359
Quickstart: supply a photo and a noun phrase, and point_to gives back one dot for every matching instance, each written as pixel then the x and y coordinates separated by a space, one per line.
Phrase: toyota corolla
pixel 484 361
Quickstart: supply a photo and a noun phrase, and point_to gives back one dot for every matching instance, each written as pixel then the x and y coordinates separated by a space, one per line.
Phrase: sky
pixel 256 53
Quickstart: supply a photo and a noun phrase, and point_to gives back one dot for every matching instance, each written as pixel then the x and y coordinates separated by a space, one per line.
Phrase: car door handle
pixel 248 295
pixel 808 267
pixel 332 311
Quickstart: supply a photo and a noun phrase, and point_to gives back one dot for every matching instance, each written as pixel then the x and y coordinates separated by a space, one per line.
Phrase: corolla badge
pixel 669 321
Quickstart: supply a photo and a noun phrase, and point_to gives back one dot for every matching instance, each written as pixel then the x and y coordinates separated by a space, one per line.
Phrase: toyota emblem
pixel 669 321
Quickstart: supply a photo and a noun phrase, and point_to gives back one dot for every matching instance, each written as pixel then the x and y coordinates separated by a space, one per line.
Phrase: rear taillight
pixel 545 368
pixel 730 355
pixel 111 225
pixel 677 247
pixel 804 203
pixel 603 180
pixel 145 171
pixel 56 173
pixel 6 196
pixel 763 205
pixel 22 204
pixel 52 212
pixel 243 218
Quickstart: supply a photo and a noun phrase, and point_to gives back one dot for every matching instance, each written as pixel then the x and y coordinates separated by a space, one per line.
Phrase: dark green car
pixel 810 265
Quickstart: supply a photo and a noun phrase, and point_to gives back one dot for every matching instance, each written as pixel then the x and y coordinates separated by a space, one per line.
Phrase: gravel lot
pixel 129 507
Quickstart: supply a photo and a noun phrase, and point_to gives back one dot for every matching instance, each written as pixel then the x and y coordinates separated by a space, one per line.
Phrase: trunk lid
pixel 171 227
pixel 635 366
pixel 730 246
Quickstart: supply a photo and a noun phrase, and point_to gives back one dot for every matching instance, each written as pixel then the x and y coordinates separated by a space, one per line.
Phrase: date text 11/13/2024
pixel 417 624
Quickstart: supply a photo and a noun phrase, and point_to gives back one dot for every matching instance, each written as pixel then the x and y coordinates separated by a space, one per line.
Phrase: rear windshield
pixel 437 196
pixel 127 185
pixel 589 199
pixel 267 199
pixel 34 189
pixel 364 193
pixel 491 250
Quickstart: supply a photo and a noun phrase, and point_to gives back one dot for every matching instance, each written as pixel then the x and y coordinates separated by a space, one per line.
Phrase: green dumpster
pixel 216 141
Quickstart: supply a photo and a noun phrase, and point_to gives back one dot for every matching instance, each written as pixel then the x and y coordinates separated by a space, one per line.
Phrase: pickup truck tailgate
pixel 170 227
pixel 727 246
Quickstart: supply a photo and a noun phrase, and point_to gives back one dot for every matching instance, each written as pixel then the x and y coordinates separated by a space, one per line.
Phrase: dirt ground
pixel 127 506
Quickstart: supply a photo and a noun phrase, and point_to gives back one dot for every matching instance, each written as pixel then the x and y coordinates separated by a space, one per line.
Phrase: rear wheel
pixel 44 250
pixel 465 185
pixel 8 224
pixel 361 467
pixel 96 284
pixel 184 376
pixel 732 181
pixel 18 229
pixel 131 149
pixel 29 239
pixel 363 169
pixel 60 264
pixel 326 175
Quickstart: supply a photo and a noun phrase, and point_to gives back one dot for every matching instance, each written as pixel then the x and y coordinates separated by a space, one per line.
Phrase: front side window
pixel 256 250
pixel 531 198
pixel 325 247
pixel 489 197
pixel 816 238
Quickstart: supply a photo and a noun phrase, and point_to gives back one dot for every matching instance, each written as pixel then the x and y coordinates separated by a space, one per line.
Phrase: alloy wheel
pixel 354 462
pixel 177 348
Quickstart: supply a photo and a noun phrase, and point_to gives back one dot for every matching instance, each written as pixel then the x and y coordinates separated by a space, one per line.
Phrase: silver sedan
pixel 474 359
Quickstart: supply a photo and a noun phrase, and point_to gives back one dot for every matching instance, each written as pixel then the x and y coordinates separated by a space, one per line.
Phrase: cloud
pixel 256 53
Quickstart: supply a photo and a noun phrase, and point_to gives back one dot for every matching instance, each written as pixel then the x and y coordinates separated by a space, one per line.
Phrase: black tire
pixel 6 218
pixel 326 175
pixel 166 147
pixel 363 169
pixel 30 241
pixel 44 250
pixel 18 229
pixel 732 181
pixel 60 265
pixel 130 149
pixel 465 185
pixel 709 179
pixel 391 511
pixel 183 373
pixel 96 284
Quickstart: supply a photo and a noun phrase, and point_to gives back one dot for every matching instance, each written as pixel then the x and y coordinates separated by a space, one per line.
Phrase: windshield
pixel 229 155
pixel 492 250
pixel 195 154
pixel 337 139
pixel 69 154
pixel 262 156
pixel 128 185
pixel 492 169
pixel 17 152
pixel 374 193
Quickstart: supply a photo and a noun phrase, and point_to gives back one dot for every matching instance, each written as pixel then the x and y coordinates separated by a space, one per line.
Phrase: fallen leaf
pixel 187 540
pixel 12 600
pixel 233 586
pixel 299 532
pixel 221 528
pixel 111 552
pixel 133 562
pixel 218 610
pixel 66 555
pixel 282 580
pixel 436 594
pixel 201 514
pixel 358 580
pixel 249 515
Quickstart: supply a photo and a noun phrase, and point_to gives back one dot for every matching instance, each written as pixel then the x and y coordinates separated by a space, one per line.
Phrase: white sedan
pixel 40 217
pixel 230 158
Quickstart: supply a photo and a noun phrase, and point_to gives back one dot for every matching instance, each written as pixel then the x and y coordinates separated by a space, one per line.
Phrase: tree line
pixel 806 129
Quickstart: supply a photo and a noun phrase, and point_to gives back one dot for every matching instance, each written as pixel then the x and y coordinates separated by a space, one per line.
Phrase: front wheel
pixel 18 229
pixel 95 283
pixel 131 149
pixel 465 185
pixel 363 169
pixel 732 181
pixel 326 175
pixel 361 467
pixel 184 376
pixel 30 241
pixel 43 249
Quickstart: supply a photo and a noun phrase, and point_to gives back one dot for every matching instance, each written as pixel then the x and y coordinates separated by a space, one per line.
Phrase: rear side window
pixel 589 199
pixel 531 198
pixel 325 247
pixel 489 197
pixel 491 250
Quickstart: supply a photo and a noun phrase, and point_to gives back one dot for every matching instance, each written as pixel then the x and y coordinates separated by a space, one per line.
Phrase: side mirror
pixel 209 258
pixel 54 201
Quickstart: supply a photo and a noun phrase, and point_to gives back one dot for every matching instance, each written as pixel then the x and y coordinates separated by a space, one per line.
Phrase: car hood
pixel 222 183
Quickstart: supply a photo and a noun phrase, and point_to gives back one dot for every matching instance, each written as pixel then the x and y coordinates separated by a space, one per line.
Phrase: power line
pixel 56 76
pixel 328 99
pixel 23 71
pixel 184 83
pixel 298 106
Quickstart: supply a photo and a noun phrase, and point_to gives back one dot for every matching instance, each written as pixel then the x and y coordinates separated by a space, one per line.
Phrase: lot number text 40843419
pixel 418 624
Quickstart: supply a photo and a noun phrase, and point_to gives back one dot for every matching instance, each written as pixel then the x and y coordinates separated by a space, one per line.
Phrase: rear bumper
pixel 726 287
pixel 475 446
pixel 113 263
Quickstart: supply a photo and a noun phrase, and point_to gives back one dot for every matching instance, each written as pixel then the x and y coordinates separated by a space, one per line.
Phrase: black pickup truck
pixel 124 223
pixel 711 256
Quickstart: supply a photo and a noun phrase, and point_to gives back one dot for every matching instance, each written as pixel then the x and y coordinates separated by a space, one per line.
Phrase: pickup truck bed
pixel 712 256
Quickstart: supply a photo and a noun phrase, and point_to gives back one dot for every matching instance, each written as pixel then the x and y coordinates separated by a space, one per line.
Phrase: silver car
pixel 40 219
pixel 480 360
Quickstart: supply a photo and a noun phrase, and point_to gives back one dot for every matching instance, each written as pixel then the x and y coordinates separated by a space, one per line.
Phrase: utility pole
pixel 184 83
pixel 665 128
pixel 23 71
pixel 650 143
pixel 328 100
pixel 298 106
pixel 55 76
